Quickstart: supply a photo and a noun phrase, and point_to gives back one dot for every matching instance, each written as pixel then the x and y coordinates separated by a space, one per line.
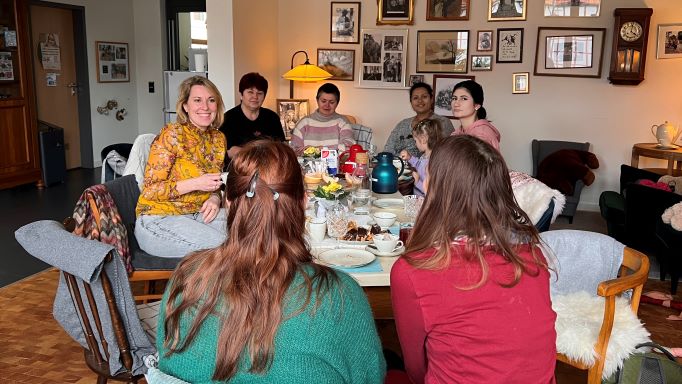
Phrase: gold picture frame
pixel 521 82
pixel 507 10
pixel 401 13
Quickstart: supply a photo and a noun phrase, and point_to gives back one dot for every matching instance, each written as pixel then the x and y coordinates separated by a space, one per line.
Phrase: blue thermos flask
pixel 384 175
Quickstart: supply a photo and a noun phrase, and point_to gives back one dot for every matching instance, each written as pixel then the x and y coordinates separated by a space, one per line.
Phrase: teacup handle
pixel 398 245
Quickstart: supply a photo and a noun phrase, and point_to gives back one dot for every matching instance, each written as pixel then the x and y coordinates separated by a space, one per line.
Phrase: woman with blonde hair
pixel 471 295
pixel 178 210
pixel 257 308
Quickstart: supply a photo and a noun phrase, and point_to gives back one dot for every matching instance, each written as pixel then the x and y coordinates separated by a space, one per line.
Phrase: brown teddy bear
pixel 563 168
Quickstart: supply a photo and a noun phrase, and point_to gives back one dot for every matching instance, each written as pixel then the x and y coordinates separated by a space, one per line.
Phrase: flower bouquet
pixel 329 193
pixel 312 152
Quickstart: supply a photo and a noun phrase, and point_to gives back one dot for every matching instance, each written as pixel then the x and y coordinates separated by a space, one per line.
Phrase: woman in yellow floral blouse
pixel 179 210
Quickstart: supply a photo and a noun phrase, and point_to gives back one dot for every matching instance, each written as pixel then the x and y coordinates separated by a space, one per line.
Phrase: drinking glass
pixel 413 204
pixel 337 221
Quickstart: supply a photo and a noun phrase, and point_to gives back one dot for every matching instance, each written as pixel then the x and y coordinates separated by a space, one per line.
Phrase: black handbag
pixel 648 368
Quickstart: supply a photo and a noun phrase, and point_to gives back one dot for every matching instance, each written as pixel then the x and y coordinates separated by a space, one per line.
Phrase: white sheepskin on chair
pixel 579 319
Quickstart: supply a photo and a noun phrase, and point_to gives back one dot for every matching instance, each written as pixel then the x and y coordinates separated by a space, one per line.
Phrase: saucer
pixel 661 146
pixel 346 258
pixel 377 252
pixel 387 203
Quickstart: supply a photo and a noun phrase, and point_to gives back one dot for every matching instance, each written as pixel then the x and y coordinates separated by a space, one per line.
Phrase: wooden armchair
pixel 615 322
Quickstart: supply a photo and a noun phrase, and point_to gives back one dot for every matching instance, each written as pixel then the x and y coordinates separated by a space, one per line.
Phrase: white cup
pixel 385 219
pixel 387 243
pixel 317 228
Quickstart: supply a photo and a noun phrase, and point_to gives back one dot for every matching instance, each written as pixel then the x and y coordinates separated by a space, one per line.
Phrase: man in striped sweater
pixel 324 127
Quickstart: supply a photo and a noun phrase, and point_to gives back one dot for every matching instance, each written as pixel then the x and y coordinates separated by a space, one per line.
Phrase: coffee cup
pixel 385 219
pixel 317 228
pixel 387 243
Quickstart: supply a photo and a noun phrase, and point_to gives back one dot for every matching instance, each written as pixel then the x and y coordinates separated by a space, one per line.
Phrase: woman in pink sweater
pixel 471 295
pixel 467 107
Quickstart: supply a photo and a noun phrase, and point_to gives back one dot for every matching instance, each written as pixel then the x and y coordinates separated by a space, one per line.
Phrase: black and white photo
pixel 384 58
pixel 395 12
pixel 442 92
pixel 447 10
pixel 509 45
pixel 506 10
pixel 339 62
pixel 345 22
pixel 484 41
pixel 481 62
pixel 112 62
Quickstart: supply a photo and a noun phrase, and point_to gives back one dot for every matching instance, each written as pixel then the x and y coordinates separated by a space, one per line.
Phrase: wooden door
pixel 56 83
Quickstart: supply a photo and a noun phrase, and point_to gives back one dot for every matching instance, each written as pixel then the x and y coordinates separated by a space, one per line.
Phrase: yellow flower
pixel 312 152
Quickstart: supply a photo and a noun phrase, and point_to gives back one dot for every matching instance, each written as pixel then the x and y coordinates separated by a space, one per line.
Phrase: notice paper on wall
pixel 6 67
pixel 50 56
pixel 51 79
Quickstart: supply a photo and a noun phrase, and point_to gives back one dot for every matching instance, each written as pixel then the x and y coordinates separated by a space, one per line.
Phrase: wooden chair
pixel 633 274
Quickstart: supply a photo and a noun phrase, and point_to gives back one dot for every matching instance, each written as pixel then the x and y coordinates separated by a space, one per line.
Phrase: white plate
pixel 347 258
pixel 388 203
pixel 355 242
pixel 377 252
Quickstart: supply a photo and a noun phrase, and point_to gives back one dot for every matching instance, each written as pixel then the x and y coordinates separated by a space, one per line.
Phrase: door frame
pixel 81 53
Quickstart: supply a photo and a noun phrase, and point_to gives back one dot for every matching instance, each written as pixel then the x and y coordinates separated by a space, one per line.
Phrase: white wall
pixel 221 58
pixel 110 21
pixel 149 22
pixel 612 118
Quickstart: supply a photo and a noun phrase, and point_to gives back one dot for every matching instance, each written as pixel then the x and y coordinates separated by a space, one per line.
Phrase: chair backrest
pixel 362 135
pixel 137 161
pixel 543 148
pixel 125 192
pixel 351 119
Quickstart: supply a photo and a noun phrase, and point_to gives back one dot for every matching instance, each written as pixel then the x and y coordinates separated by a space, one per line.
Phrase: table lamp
pixel 305 72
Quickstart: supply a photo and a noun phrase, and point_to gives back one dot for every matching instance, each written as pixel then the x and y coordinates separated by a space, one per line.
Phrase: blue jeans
pixel 178 235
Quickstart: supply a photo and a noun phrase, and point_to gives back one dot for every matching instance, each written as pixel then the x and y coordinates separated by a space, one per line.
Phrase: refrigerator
pixel 171 83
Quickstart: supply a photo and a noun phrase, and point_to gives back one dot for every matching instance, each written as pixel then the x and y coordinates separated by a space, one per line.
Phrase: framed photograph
pixel 395 12
pixel 442 90
pixel 384 58
pixel 112 62
pixel 481 62
pixel 505 10
pixel 290 111
pixel 6 66
pixel 509 45
pixel 569 52
pixel 669 41
pixel 520 82
pixel 447 9
pixel 484 41
pixel 339 62
pixel 573 8
pixel 442 51
pixel 414 79
pixel 345 22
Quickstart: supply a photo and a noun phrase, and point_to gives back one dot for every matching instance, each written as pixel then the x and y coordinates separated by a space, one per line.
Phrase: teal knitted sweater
pixel 334 343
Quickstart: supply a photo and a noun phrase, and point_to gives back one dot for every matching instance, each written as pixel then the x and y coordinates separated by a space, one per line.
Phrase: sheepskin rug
pixel 579 318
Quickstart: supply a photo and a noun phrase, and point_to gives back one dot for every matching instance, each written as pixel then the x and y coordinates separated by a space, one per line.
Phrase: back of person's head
pixel 431 129
pixel 330 89
pixel 248 276
pixel 469 195
pixel 253 80
pixel 420 84
pixel 183 98
pixel 476 92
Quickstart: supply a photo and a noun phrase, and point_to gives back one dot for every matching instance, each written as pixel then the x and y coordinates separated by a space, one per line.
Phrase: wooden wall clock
pixel 630 37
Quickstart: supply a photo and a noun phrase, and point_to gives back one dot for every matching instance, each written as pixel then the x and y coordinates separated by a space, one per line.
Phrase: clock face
pixel 630 31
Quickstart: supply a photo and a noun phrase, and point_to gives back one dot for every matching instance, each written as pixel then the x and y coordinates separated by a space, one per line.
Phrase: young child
pixel 426 134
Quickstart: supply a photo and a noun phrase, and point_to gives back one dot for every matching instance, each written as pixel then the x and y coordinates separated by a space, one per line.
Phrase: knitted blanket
pixel 533 196
pixel 673 216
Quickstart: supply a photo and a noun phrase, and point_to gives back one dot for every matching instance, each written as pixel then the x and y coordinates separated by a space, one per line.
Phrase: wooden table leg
pixel 634 159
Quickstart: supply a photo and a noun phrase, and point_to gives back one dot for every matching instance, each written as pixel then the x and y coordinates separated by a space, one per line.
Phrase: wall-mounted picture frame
pixel 384 58
pixel 509 45
pixel 506 10
pixel 395 12
pixel 442 92
pixel 439 10
pixel 520 82
pixel 112 62
pixel 481 62
pixel 569 52
pixel 339 62
pixel 484 41
pixel 414 79
pixel 669 41
pixel 442 51
pixel 345 22
pixel 290 111
pixel 573 8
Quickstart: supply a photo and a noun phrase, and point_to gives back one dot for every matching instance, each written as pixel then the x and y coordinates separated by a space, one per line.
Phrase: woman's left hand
pixel 211 208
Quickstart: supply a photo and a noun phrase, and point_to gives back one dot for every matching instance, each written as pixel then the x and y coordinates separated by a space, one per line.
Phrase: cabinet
pixel 19 158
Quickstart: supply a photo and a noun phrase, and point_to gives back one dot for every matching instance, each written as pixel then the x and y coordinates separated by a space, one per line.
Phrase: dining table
pixel 375 278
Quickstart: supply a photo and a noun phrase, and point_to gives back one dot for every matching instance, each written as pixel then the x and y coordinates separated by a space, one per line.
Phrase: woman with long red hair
pixel 257 308
pixel 471 295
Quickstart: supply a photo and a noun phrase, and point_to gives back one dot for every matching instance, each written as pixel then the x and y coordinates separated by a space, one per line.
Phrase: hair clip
pixel 251 192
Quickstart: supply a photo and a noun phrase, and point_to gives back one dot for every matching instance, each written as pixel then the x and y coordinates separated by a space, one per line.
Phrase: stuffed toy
pixel 673 216
pixel 674 182
pixel 561 169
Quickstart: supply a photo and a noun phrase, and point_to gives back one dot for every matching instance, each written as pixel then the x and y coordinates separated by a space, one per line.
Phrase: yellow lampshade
pixel 307 73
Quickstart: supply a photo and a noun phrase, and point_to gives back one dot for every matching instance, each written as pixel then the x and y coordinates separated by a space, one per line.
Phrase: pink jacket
pixel 482 129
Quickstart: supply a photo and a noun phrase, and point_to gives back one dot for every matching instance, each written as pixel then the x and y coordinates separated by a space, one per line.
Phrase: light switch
pixel 151 87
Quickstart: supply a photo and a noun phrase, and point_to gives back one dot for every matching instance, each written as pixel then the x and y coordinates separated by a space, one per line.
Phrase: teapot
pixel 666 134
pixel 384 176
pixel 348 165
